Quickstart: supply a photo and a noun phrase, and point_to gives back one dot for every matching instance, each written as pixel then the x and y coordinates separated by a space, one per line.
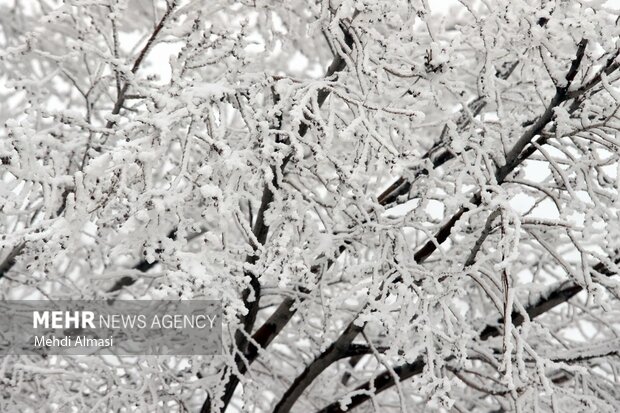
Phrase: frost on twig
pixel 402 205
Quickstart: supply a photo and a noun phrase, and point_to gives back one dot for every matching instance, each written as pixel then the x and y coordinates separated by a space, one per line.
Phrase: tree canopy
pixel 402 205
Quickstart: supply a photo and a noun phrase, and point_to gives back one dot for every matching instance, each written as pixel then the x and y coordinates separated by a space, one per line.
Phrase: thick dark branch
pixel 261 229
pixel 142 266
pixel 9 260
pixel 380 383
pixel 126 281
pixel 266 333
pixel 513 159
pixel 547 302
pixel 544 304
pixel 423 253
pixel 251 294
pixel 333 353
pixel 120 99
pixel 438 155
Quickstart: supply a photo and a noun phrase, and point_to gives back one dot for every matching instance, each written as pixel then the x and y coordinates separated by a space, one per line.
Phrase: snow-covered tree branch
pixel 402 205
